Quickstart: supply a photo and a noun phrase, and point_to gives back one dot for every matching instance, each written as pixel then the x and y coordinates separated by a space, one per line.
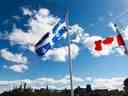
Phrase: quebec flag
pixel 59 30
pixel 50 39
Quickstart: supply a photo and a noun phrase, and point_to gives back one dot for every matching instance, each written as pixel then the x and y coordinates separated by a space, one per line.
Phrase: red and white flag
pixel 116 41
pixel 104 46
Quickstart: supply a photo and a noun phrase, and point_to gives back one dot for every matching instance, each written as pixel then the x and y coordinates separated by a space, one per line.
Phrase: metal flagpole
pixel 119 33
pixel 69 54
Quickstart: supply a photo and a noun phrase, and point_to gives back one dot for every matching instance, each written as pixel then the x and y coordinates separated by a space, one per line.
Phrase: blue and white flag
pixel 46 43
pixel 59 30
pixel 42 46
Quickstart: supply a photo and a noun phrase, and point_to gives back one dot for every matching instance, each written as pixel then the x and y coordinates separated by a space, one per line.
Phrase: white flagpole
pixel 69 54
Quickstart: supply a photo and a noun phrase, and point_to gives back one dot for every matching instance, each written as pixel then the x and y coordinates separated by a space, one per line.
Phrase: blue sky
pixel 91 15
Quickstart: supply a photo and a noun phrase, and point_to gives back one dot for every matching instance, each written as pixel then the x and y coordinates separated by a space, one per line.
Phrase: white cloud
pixel 90 43
pixel 27 11
pixel 43 82
pixel 41 23
pixel 111 83
pixel 19 61
pixel 9 85
pixel 60 54
pixel 79 33
pixel 120 51
pixel 113 48
pixel 20 68
pixel 64 82
pixel 17 58
pixel 57 83
pixel 111 24
pixel 44 12
pixel 125 33
pixel 81 37
pixel 89 79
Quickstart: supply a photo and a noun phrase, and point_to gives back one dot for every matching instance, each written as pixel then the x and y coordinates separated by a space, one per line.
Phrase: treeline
pixel 23 90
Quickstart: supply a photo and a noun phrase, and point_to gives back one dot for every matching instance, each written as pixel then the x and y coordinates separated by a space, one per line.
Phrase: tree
pixel 126 87
pixel 88 88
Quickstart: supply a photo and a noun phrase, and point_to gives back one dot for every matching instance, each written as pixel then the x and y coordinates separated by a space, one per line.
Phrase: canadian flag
pixel 116 41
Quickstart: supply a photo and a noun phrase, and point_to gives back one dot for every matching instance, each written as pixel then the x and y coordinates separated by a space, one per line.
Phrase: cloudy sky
pixel 22 23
